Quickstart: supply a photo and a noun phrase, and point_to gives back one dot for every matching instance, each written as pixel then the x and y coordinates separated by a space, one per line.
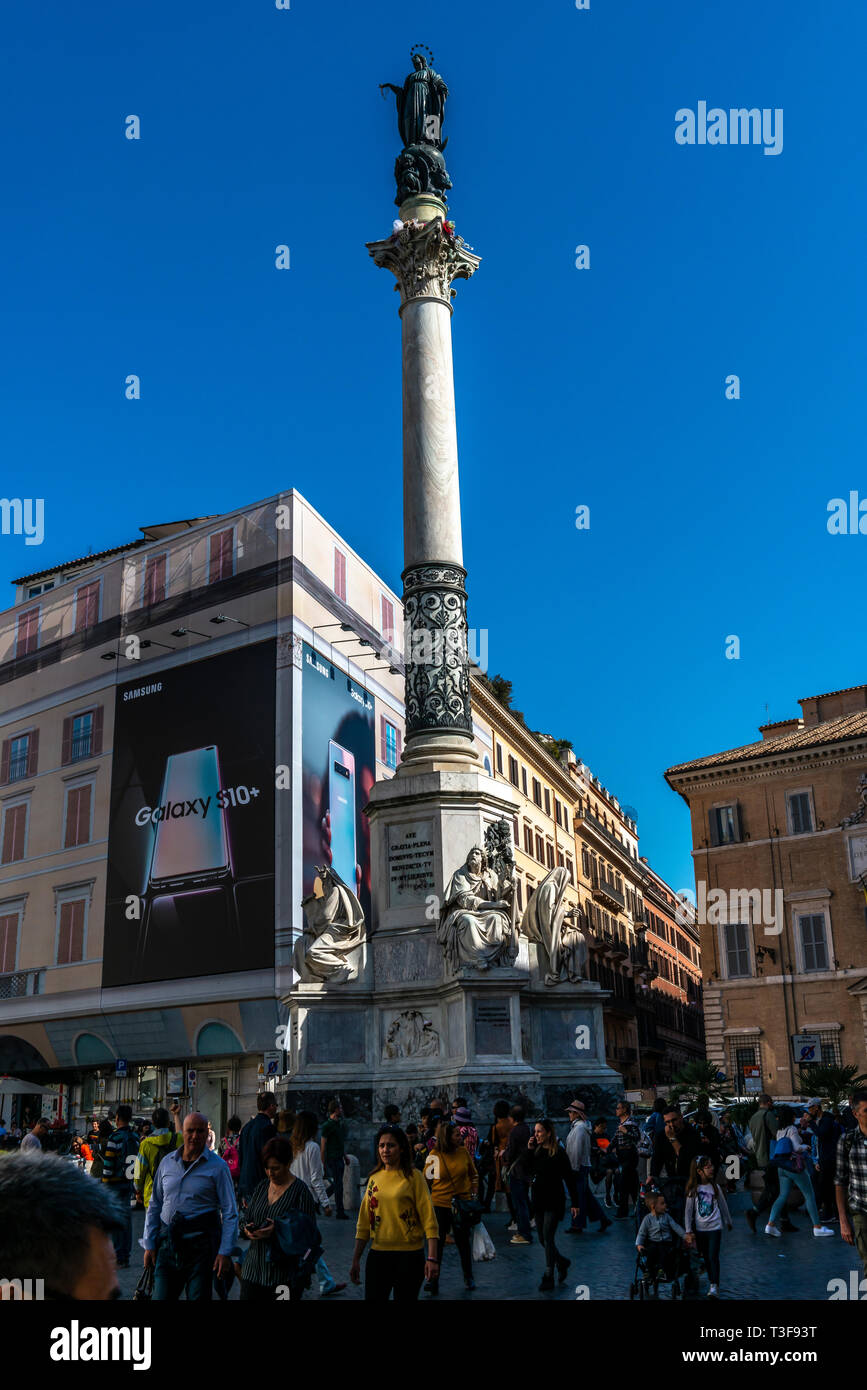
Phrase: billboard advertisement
pixel 191 831
pixel 338 773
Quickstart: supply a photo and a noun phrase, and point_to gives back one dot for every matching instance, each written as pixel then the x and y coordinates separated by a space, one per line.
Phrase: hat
pixel 815 1101
pixel 576 1105
pixel 462 1116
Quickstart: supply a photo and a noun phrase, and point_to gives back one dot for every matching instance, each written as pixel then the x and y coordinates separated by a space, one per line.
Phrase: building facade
pixel 141 959
pixel 780 851
pixel 569 818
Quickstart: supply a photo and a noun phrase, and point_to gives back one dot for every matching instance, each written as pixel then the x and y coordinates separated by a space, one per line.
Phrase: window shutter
pixel 32 752
pixel 399 743
pixel 28 632
pixel 96 731
pixel 14 826
pixel 77 818
pixel 66 742
pixel 5 757
pixel 8 942
pixel 387 619
pixel 155 579
pixel 340 574
pixel 713 826
pixel 70 941
pixel 736 813
pixel 87 606
pixel 383 745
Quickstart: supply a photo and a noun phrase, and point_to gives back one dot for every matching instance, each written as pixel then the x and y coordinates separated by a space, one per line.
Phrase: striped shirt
pixel 256 1269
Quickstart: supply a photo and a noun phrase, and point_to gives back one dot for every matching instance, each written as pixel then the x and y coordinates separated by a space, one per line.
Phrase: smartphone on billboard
pixel 191 847
pixel 341 806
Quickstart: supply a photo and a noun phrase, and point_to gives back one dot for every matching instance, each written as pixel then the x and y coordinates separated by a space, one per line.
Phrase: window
pixel 19 756
pixel 519 894
pixel 742 1055
pixel 70 931
pixel 560 864
pixel 565 818
pixel 737 950
pixel 87 606
pixel 724 825
pixel 500 758
pixel 513 770
pixel 340 574
pixel 82 736
pixel 34 590
pixel 528 840
pixel 387 615
pixel 154 590
pixel 78 805
pixel 549 855
pixel 569 869
pixel 547 802
pixel 585 862
pixel 799 811
pixel 829 1042
pixel 8 941
pixel 540 849
pixel 524 781
pixel 537 791
pixel 558 811
pixel 27 637
pixel 14 842
pixel 813 938
pixel 389 743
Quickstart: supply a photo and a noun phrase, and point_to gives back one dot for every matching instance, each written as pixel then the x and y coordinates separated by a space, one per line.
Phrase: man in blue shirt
pixel 192 1221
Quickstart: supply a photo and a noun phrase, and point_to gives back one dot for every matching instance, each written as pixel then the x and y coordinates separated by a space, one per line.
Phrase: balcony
pixel 21 983
pixel 616 947
pixel 605 892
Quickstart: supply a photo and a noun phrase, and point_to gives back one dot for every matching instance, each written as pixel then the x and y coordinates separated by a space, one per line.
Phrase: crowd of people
pixel 246 1206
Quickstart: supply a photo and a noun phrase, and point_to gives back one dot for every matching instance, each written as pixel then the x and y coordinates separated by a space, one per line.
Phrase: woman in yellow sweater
pixel 396 1216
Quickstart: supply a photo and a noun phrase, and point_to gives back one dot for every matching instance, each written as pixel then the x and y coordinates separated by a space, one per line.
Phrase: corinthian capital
pixel 425 260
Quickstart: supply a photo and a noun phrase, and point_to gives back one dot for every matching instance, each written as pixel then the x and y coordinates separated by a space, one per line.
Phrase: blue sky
pixel 602 387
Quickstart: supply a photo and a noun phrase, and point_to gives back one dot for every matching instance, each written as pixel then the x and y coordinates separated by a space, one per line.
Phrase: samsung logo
pixel 143 690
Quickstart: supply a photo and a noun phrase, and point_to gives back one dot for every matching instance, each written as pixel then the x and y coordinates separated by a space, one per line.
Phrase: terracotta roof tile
pixel 832 731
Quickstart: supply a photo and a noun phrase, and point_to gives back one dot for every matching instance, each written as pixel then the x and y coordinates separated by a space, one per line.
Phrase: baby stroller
pixel 680 1275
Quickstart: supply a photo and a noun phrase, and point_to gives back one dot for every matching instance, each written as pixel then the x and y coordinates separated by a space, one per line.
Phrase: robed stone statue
pixel 553 926
pixel 334 929
pixel 476 926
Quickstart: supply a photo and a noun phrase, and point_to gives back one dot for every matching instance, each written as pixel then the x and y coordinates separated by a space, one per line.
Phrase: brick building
pixel 780 850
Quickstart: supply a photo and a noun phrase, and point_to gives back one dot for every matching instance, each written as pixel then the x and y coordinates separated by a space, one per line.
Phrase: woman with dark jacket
pixel 548 1168
pixel 265 1268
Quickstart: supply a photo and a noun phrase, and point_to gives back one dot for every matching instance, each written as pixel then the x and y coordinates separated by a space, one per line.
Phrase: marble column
pixel 426 258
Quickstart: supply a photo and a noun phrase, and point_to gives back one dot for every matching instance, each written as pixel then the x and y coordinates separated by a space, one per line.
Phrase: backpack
pixel 783 1155
pixel 232 1159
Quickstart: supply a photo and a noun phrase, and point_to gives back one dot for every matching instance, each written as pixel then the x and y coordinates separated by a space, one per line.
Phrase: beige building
pixel 569 818
pixel 780 850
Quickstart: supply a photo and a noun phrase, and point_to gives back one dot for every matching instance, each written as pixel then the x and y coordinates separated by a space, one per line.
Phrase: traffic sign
pixel 807 1048
pixel 273 1065
pixel 120 1066
pixel 191 1078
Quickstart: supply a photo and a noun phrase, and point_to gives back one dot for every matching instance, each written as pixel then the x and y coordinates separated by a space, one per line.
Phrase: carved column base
pixel 439 722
